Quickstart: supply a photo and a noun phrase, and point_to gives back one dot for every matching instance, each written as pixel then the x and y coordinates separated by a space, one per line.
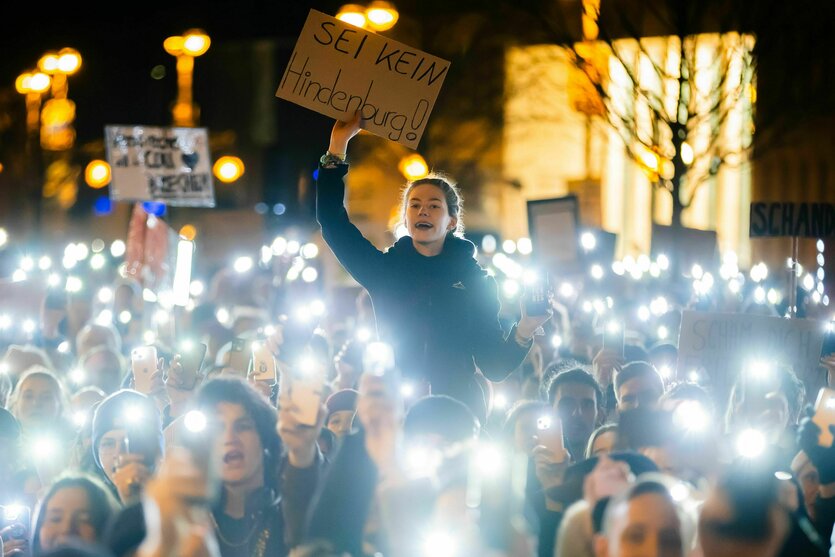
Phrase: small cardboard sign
pixel 553 226
pixel 168 165
pixel 802 220
pixel 722 344
pixel 337 69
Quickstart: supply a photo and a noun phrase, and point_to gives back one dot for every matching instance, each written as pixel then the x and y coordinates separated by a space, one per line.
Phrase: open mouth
pixel 423 226
pixel 233 457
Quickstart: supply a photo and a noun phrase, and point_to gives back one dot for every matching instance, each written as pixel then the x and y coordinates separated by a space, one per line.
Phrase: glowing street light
pixel 413 167
pixel 97 174
pixel 381 16
pixel 353 14
pixel 228 169
pixel 186 48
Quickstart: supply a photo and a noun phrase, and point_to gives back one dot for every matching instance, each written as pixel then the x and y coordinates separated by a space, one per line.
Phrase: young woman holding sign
pixel 434 304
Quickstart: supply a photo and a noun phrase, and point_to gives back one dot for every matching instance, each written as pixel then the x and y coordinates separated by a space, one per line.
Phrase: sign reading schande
pixel 170 165
pixel 802 220
pixel 337 69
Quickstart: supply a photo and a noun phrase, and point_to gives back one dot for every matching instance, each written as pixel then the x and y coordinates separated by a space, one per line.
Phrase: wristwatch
pixel 330 160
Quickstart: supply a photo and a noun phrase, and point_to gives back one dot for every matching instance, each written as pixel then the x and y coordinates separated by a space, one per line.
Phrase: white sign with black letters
pixel 169 165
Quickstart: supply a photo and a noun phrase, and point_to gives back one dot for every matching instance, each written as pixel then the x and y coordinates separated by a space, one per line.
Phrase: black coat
pixel 440 314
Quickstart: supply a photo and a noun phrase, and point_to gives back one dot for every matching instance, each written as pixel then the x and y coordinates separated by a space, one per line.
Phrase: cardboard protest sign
pixel 170 165
pixel 803 220
pixel 552 226
pixel 722 344
pixel 150 250
pixel 337 69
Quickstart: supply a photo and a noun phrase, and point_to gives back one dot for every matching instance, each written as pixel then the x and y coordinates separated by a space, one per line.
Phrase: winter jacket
pixel 440 314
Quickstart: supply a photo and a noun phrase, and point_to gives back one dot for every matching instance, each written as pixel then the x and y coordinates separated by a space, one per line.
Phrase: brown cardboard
pixel 337 68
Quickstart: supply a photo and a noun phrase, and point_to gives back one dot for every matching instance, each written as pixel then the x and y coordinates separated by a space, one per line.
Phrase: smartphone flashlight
pixel 12 512
pixel 133 414
pixel 379 357
pixel 750 443
pixel 43 448
pixel 195 421
pixel 544 422
pixel 691 416
pixel 407 390
pixel 422 461
pixel 187 346
pixel 759 370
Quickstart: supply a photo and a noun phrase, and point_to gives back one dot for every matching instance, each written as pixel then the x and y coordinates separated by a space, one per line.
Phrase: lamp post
pixel 33 84
pixel 185 48
pixel 376 16
pixel 57 132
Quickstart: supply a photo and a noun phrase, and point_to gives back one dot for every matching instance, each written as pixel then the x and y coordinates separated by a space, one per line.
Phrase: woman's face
pixel 604 443
pixel 649 526
pixel 239 446
pixel 340 422
pixel 67 516
pixel 111 447
pixel 39 402
pixel 427 214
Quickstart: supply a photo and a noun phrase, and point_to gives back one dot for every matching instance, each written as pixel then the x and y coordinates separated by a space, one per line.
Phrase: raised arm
pixel 355 253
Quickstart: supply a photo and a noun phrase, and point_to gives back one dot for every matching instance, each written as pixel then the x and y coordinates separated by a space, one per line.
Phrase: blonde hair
pixel 38 372
pixel 454 200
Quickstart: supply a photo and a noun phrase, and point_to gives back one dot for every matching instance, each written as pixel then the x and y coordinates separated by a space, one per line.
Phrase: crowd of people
pixel 436 419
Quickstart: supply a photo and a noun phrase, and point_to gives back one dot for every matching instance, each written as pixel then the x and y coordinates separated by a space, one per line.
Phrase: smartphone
pixel 825 415
pixel 613 337
pixel 378 359
pixel 264 367
pixel 191 361
pixel 139 442
pixel 19 518
pixel 307 389
pixel 538 299
pixel 143 361
pixel 239 356
pixel 549 433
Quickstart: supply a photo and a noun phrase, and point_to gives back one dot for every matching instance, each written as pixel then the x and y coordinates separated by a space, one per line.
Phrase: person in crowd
pixel 38 401
pixel 342 407
pixel 76 507
pixel 577 397
pixel 823 460
pixel 102 367
pixel 520 424
pixel 268 468
pixel 638 384
pixel 20 357
pixel 93 334
pixel 127 442
pixel 431 269
pixel 602 440
pixel 647 520
pixel 348 364
pixel 12 473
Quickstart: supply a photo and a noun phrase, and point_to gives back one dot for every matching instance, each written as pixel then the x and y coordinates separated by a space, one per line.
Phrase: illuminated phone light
pixel 243 264
pixel 105 295
pixel 64 347
pixel 27 263
pixel 662 332
pixel 317 308
pixel 196 288
pixel 782 475
pixel 490 460
pixel 43 448
pixel 734 286
pixel 691 416
pixel 544 422
pixel 125 317
pixel 149 295
pixel 53 280
pixel 556 341
pixel 439 544
pixel 567 290
pixel 104 318
pixel 29 326
pixel 529 276
pixel 679 492
pixel 663 262
pixel 269 330
pixel 510 288
pixel 182 273
pixel 293 247
pixel 97 262
pixel 77 376
pixel 588 241
pixel 599 307
pixel 161 317
pixel 613 326
pixel 774 297
pixel 696 271
pixel 74 284
pixel 422 461
pixel 759 295
pixel 750 443
pixel 133 414
pixel 407 390
pixel 643 313
pixel 310 251
pixel 509 247
pixel 654 270
pixel 588 307
pixel 830 403
pixel 4 368
pixel 256 346
pixel 187 346
pixel 694 376
pixel 596 272
pixel 12 512
pixel 19 275
pixel 310 274
pixel 68 262
pixel 816 297
pixel 222 315
pixel 618 268
pixel 279 246
pixel 266 255
pixel 79 418
pixel 500 401
pixel 363 334
pixel 302 314
pixel 5 321
pixel 4 237
pixel 117 248
pixel 665 371
pixel 149 337
pixel 636 273
pixel 81 251
pixel 195 421
pixel 525 246
pixel 306 365
pixel 293 274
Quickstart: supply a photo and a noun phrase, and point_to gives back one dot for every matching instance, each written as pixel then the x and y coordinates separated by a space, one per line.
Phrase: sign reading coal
pixel 337 69
pixel 718 346
pixel 169 165
pixel 802 220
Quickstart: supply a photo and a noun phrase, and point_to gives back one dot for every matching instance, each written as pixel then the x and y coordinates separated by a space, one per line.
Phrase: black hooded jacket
pixel 440 314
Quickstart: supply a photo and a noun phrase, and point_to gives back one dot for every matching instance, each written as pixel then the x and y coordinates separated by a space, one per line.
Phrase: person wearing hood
pixel 433 302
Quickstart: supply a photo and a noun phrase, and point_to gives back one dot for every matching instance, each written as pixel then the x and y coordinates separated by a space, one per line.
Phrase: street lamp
pixel 186 47
pixel 227 169
pixel 33 84
pixel 413 167
pixel 376 16
pixel 57 133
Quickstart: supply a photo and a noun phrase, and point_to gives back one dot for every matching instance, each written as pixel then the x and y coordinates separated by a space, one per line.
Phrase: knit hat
pixel 144 430
pixel 344 400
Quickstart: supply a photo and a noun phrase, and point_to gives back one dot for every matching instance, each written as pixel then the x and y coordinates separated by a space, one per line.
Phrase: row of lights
pixel 376 16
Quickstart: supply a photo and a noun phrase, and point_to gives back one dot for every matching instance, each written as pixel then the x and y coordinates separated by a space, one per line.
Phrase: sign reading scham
pixel 804 220
pixel 337 69
pixel 171 165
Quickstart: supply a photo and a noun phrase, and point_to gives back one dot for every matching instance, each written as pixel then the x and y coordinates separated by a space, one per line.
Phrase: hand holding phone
pixel 825 415
pixel 613 337
pixel 239 356
pixel 549 433
pixel 538 298
pixel 144 362
pixel 306 389
pixel 185 370
pixel 15 521
pixel 264 367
